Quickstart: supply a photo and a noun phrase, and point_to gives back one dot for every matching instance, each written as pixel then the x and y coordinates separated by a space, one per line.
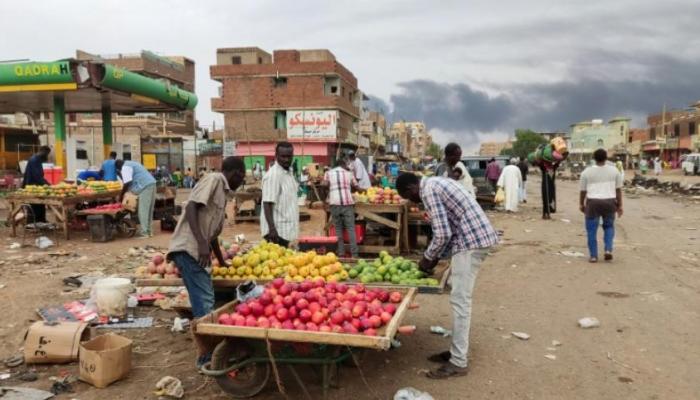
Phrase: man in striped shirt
pixel 462 230
pixel 279 221
pixel 341 183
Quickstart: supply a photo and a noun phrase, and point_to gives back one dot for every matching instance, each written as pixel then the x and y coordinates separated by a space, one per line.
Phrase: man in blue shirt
pixel 109 168
pixel 34 175
pixel 140 182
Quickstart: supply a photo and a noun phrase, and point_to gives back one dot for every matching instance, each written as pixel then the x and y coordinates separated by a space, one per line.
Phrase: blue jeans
pixel 197 281
pixel 608 233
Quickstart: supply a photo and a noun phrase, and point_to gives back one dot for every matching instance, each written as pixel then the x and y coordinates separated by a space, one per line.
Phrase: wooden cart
pixel 62 208
pixel 242 357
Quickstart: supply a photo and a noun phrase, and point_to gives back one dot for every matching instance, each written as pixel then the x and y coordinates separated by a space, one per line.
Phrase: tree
pixel 526 141
pixel 435 150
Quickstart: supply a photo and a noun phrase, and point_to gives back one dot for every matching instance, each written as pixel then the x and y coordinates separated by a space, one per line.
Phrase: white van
pixel 691 164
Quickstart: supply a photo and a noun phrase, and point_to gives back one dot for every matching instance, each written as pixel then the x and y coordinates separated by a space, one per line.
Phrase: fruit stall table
pixel 392 216
pixel 63 208
pixel 243 357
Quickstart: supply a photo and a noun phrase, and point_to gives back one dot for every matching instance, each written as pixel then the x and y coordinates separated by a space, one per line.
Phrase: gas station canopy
pixel 86 86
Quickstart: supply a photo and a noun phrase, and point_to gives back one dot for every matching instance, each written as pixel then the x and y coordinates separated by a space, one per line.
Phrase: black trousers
pixel 39 211
pixel 549 193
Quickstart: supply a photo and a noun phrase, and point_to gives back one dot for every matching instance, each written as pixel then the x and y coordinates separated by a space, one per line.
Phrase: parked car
pixel 691 164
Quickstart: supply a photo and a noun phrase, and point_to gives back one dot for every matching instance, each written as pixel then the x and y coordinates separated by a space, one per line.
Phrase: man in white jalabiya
pixel 510 181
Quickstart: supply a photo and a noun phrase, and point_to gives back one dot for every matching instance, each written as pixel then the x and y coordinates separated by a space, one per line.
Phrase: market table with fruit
pixel 60 199
pixel 384 208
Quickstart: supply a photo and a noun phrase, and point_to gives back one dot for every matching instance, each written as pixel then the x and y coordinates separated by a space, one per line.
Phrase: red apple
pixel 288 301
pixel 390 308
pixel 313 307
pixel 265 299
pixel 256 308
pixel 395 297
pixel 277 283
pixel 305 286
pixel 276 325
pixel 285 289
pixel 225 319
pixel 342 288
pixel 337 318
pixel 370 332
pixel 324 328
pixel 375 320
pixel 305 315
pixel 385 316
pixel 239 320
pixel 269 310
pixel 317 317
pixel 302 304
pixel 287 324
pixel 263 322
pixel 310 326
pixel 251 321
pixel 244 309
pixel 282 314
pixel 278 299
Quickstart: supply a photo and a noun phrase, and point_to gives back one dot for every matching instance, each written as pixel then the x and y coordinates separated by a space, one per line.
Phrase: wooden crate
pixel 207 327
pixel 218 283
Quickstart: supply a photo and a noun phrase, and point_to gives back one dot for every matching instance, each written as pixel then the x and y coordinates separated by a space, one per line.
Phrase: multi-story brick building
pixel 373 127
pixel 412 138
pixel 303 96
pixel 494 148
pixel 674 133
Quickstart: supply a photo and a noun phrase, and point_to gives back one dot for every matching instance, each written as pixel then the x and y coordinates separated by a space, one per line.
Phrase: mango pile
pixel 395 270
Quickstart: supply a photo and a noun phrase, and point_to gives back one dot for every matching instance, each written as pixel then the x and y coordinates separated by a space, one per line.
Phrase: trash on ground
pixel 14 361
pixel 521 335
pixel 15 246
pixel 440 331
pixel 556 343
pixel 550 357
pixel 43 242
pixel 22 393
pixel 566 221
pixel 180 324
pixel 407 329
pixel 169 386
pixel 4 376
pixel 409 393
pixel 588 322
pixel 571 253
pixel 28 376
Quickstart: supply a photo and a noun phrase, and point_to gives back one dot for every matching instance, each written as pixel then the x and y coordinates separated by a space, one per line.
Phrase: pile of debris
pixel 642 183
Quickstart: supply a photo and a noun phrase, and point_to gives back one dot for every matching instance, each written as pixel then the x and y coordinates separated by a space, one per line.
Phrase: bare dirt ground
pixel 647 300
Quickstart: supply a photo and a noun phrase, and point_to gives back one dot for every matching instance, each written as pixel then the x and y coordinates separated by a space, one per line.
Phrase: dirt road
pixel 647 300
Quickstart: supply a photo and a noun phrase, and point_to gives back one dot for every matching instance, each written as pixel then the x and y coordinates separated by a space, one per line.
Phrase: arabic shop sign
pixel 209 147
pixel 35 73
pixel 312 124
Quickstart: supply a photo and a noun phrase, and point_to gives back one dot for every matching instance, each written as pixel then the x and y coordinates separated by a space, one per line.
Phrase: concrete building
pixel 673 133
pixel 494 148
pixel 373 127
pixel 304 96
pixel 412 139
pixel 19 139
pixel 637 137
pixel 155 139
pixel 588 136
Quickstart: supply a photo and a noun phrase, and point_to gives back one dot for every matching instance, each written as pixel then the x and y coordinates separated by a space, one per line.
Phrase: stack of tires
pixel 548 154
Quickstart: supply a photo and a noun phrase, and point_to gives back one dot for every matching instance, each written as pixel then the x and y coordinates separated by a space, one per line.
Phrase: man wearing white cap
pixel 510 181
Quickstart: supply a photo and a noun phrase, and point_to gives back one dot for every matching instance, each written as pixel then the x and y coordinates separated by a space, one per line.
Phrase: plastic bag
pixel 409 393
pixel 500 196
pixel 43 242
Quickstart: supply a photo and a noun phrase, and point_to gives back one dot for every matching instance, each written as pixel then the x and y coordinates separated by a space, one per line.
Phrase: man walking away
pixel 524 169
pixel 511 181
pixel 34 175
pixel 140 182
pixel 601 197
pixel 456 168
pixel 108 171
pixel 493 172
pixel 197 233
pixel 549 190
pixel 359 171
pixel 341 182
pixel 279 222
pixel 462 230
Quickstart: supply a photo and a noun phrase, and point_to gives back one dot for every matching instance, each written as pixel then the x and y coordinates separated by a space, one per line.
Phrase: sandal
pixel 440 357
pixel 593 260
pixel 608 257
pixel 447 370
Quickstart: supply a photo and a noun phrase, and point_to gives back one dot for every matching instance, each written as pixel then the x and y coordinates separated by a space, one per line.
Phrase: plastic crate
pixel 100 228
pixel 359 233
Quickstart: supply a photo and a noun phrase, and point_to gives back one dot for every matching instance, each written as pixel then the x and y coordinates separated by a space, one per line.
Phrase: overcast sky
pixel 472 70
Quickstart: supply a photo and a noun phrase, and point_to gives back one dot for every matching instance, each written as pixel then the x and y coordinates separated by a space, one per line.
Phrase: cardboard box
pixel 54 343
pixel 105 359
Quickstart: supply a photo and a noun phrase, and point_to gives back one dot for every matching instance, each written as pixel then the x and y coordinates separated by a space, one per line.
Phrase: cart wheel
pixel 127 227
pixel 241 383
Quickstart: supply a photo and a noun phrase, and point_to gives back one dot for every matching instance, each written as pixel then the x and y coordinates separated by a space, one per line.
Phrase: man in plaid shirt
pixel 461 230
pixel 341 183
